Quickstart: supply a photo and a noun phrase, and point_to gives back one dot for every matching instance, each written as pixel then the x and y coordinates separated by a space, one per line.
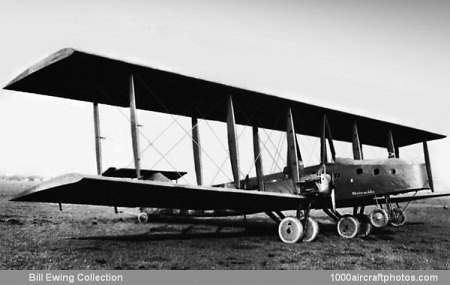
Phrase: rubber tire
pixel 366 228
pixel 399 219
pixel 312 230
pixel 379 215
pixel 348 226
pixel 290 230
pixel 142 218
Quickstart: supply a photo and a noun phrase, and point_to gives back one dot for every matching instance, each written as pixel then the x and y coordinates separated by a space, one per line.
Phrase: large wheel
pixel 366 227
pixel 348 226
pixel 290 230
pixel 311 231
pixel 379 218
pixel 397 217
pixel 142 218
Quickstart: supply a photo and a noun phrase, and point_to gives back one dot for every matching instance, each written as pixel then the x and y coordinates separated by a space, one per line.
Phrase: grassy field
pixel 39 236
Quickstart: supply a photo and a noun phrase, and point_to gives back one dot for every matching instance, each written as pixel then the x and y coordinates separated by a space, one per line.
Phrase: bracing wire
pixel 128 119
pixel 167 110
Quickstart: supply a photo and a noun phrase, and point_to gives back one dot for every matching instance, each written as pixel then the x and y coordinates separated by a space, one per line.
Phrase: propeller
pixel 333 200
pixel 332 194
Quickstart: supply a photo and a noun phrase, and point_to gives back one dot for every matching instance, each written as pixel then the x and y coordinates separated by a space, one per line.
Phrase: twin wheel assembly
pixel 350 226
pixel 292 230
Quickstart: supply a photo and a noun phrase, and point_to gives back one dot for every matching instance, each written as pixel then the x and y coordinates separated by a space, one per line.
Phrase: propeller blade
pixel 333 200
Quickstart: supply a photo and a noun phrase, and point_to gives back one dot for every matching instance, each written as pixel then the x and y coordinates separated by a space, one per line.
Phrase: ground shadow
pixel 181 235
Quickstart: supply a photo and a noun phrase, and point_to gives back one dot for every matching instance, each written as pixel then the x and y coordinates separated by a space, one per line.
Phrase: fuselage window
pixel 359 171
pixel 376 171
pixel 393 171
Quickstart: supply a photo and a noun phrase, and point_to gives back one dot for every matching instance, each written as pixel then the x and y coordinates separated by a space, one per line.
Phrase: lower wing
pixel 382 200
pixel 125 192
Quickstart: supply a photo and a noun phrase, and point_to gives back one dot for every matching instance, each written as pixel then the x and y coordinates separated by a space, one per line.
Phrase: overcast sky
pixel 384 59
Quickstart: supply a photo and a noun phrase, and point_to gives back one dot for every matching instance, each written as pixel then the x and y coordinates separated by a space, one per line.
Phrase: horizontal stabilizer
pixel 145 174
pixel 124 192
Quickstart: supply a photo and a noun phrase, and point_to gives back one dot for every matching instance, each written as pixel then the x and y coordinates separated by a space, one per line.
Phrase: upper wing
pixel 108 191
pixel 87 77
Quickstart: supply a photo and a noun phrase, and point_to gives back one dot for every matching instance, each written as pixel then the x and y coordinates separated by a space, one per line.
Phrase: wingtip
pixel 54 57
pixel 55 182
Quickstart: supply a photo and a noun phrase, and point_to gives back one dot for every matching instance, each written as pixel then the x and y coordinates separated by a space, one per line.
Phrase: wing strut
pixel 197 151
pixel 258 159
pixel 134 129
pixel 392 150
pixel 98 143
pixel 327 132
pixel 299 155
pixel 428 164
pixel 293 160
pixel 357 146
pixel 323 143
pixel 232 143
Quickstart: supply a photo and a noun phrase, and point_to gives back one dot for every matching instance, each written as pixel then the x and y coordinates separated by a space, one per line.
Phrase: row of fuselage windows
pixel 359 171
pixel 375 171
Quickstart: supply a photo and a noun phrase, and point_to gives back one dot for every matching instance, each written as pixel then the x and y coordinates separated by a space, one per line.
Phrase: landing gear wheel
pixel 142 218
pixel 398 217
pixel 348 226
pixel 290 230
pixel 312 230
pixel 379 218
pixel 366 227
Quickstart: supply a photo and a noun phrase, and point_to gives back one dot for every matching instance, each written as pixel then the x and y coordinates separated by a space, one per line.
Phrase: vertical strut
pixel 258 159
pixel 98 144
pixel 134 129
pixel 357 147
pixel 197 151
pixel 330 139
pixel 390 145
pixel 232 143
pixel 299 154
pixel 388 203
pixel 293 160
pixel 323 143
pixel 428 164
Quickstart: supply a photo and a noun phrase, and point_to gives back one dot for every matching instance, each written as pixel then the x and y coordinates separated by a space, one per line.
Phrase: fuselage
pixel 355 180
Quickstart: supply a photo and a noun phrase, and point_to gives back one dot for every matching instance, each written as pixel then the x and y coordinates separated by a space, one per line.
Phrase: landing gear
pixel 290 230
pixel 311 230
pixel 394 216
pixel 301 227
pixel 348 226
pixel 366 227
pixel 397 217
pixel 379 218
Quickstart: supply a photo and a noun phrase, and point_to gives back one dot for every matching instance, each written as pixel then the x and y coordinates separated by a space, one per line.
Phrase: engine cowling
pixel 320 183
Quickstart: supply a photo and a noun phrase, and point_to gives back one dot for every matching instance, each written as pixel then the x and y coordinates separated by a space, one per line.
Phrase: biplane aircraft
pixel 332 184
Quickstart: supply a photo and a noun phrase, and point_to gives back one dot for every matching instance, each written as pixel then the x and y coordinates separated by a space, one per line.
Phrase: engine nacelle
pixel 316 183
